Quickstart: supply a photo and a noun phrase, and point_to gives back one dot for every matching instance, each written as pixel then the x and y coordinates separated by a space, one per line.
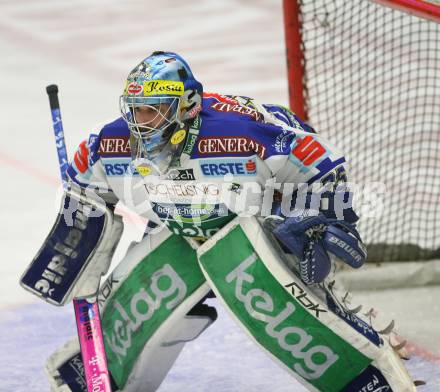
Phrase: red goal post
pixel 423 9
pixel 367 76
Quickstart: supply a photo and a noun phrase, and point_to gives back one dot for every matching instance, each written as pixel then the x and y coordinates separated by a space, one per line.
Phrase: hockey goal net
pixel 367 77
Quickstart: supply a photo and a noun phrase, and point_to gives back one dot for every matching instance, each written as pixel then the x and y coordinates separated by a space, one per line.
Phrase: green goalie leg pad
pixel 295 327
pixel 146 298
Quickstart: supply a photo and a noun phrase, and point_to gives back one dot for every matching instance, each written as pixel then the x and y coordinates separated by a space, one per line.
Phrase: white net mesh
pixel 372 79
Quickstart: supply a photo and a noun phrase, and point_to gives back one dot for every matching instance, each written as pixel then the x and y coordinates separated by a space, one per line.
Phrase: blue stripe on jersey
pixel 324 167
pixel 116 128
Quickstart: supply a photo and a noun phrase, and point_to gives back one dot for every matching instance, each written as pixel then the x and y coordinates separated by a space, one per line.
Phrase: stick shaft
pixel 87 316
pixel 88 324
pixel 52 91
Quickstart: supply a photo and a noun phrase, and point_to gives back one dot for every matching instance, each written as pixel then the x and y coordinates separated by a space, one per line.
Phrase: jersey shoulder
pixel 117 127
pixel 113 140
pixel 238 126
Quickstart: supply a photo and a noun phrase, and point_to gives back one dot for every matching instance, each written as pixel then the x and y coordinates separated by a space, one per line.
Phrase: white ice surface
pixel 222 359
pixel 87 48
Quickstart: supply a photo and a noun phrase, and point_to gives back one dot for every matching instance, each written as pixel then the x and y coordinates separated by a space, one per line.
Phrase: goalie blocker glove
pixel 314 238
pixel 77 251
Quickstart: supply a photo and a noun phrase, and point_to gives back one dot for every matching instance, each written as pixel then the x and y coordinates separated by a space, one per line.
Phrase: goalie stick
pixel 88 320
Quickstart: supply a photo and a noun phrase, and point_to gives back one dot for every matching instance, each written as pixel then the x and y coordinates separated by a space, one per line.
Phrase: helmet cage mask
pixel 156 131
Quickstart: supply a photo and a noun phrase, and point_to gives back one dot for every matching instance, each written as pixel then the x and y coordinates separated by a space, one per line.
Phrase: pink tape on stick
pixel 92 346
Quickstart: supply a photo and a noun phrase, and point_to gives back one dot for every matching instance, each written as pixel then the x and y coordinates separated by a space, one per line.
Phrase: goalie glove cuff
pixel 343 241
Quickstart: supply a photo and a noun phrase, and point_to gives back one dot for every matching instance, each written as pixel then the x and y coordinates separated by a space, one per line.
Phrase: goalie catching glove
pixel 314 239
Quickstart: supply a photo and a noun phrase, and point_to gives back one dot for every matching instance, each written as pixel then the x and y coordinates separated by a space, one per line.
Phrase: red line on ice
pixel 415 349
pixel 28 169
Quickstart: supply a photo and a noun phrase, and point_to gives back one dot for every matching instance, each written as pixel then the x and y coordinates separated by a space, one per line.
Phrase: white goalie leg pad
pixel 315 338
pixel 163 348
pixel 153 364
pixel 65 354
pixel 165 268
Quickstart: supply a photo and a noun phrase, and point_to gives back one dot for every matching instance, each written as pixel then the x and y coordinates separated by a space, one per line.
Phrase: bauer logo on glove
pixel 313 239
